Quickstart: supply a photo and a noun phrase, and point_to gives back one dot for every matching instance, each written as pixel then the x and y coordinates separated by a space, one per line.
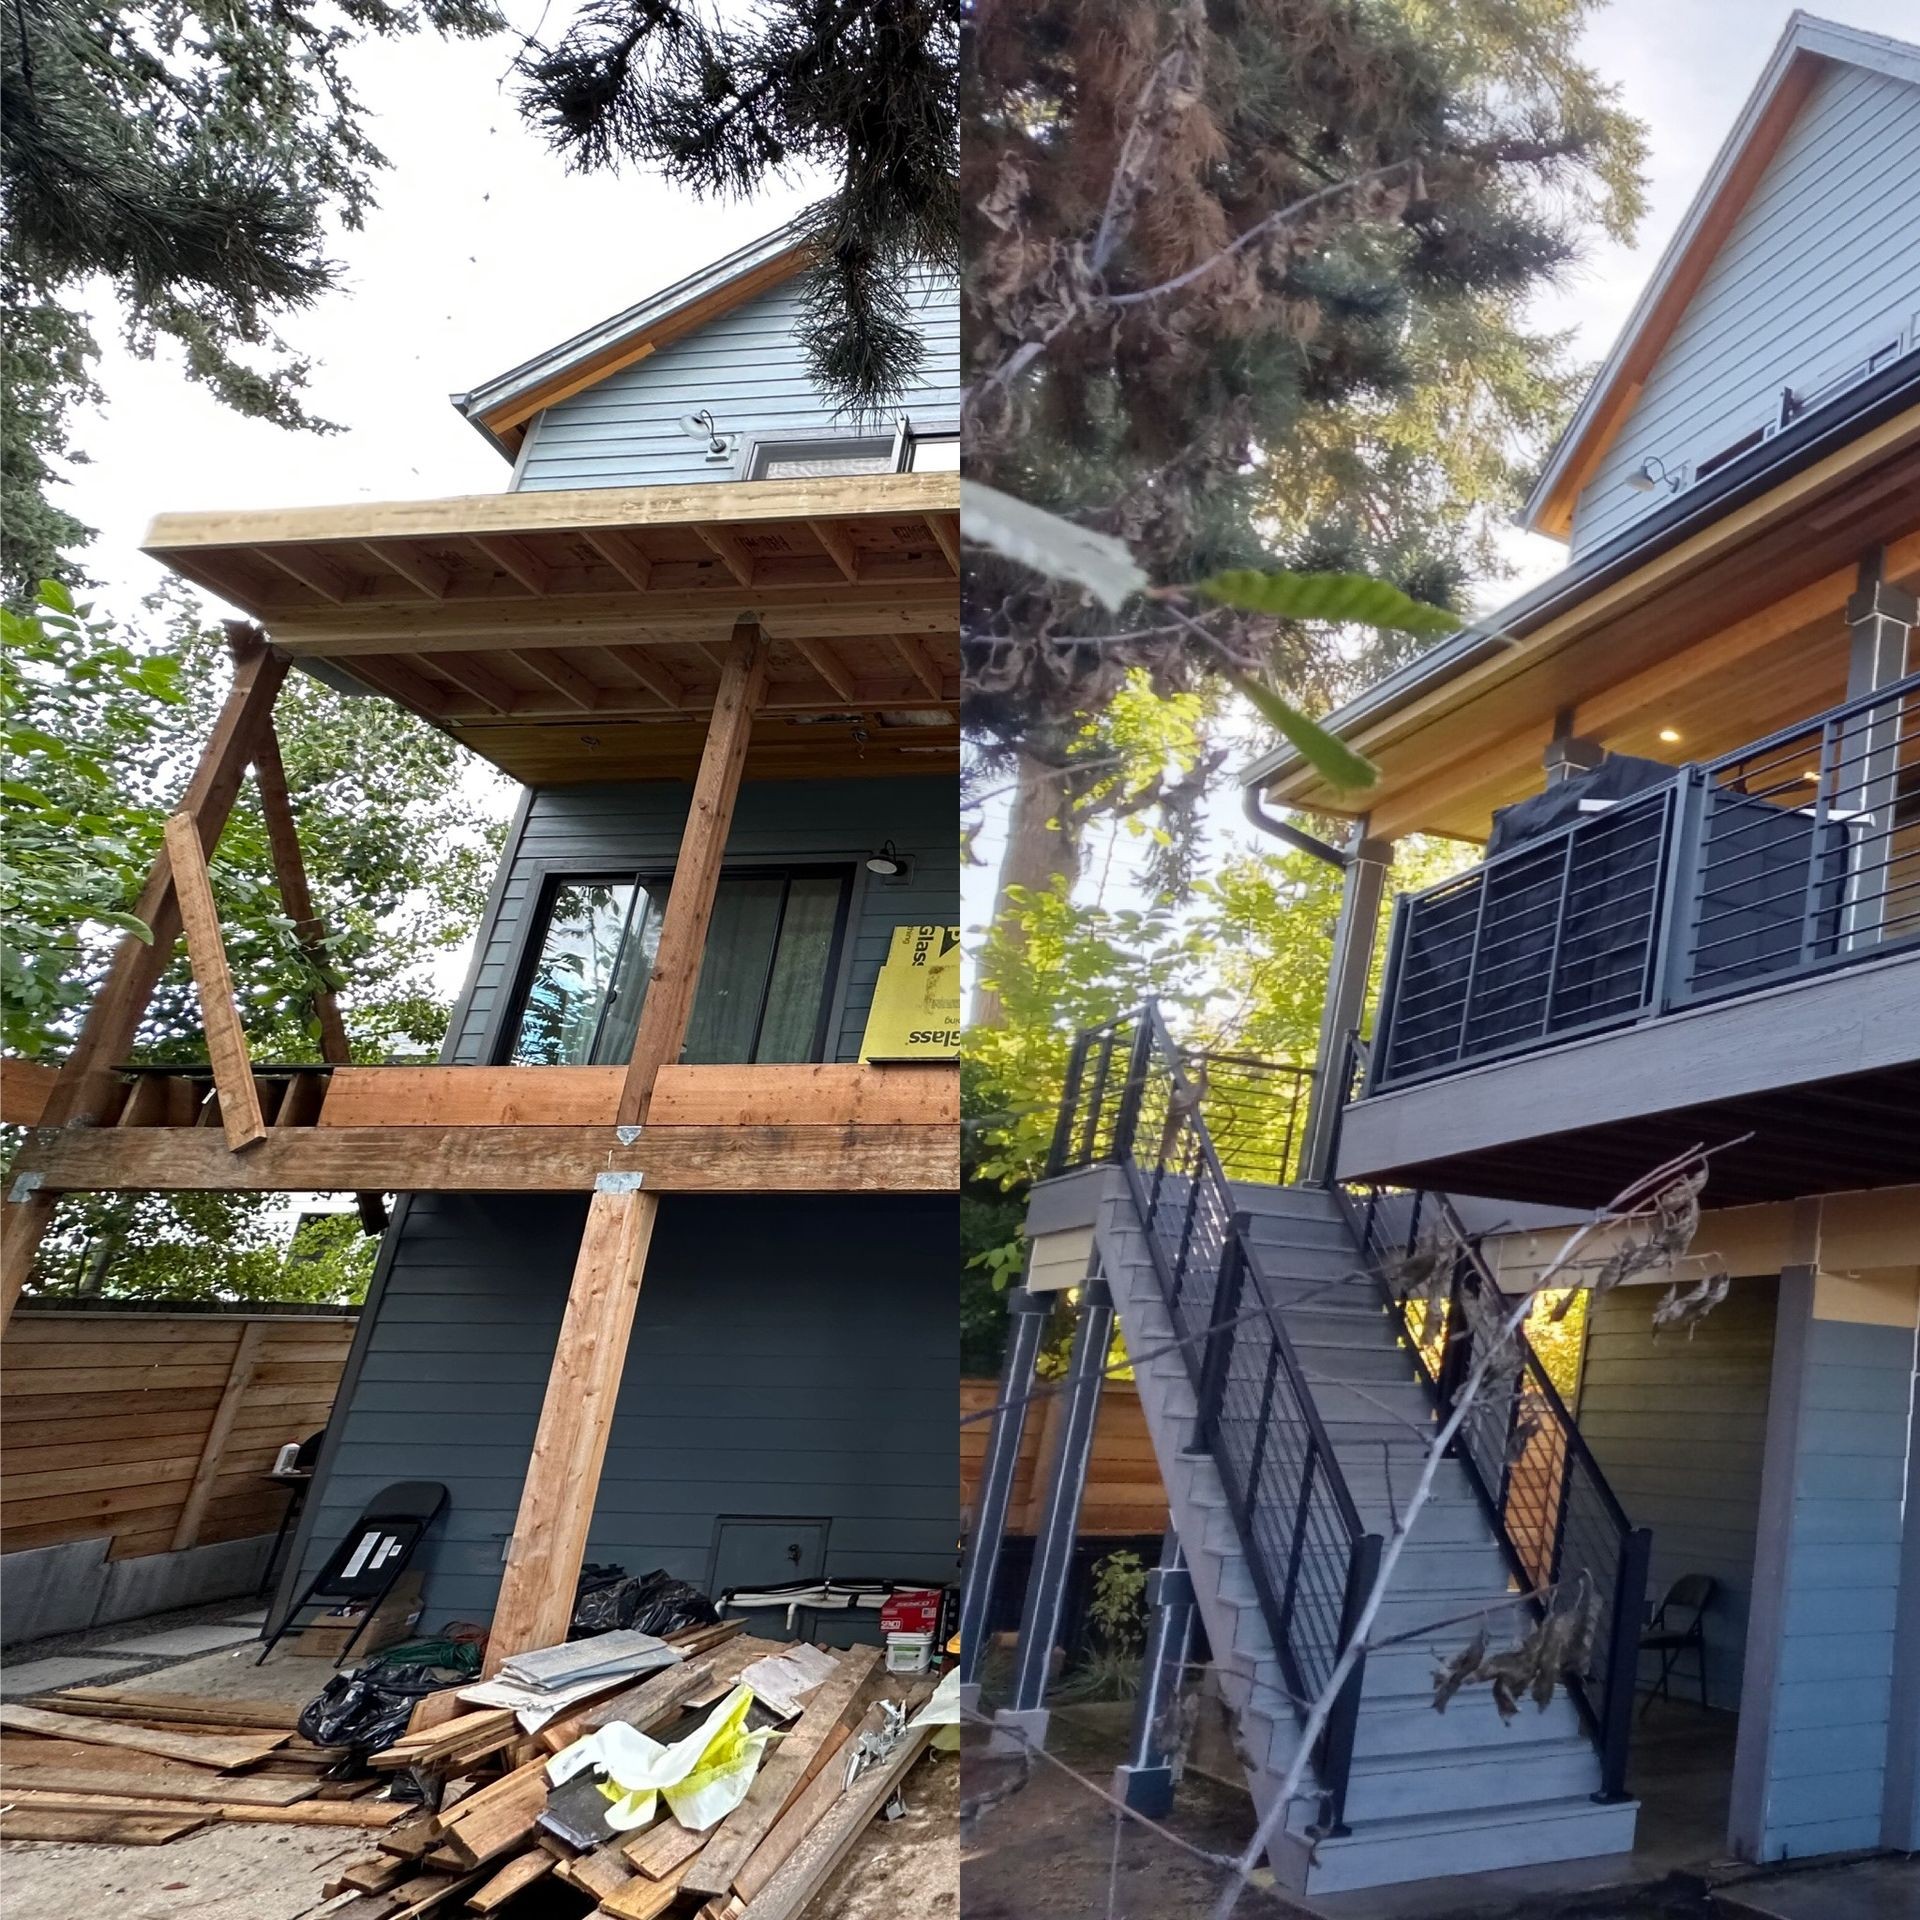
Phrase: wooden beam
pixel 838 545
pixel 509 1159
pixel 824 1095
pixel 411 564
pixel 820 657
pixel 624 554
pixel 290 875
pixel 106 1035
pixel 918 664
pixel 469 670
pixel 240 1116
pixel 25 1086
pixel 945 528
pixel 516 560
pixel 186 1531
pixel 649 674
pixel 668 1006
pixel 562 676
pixel 732 554
pixel 23 1225
pixel 563 1476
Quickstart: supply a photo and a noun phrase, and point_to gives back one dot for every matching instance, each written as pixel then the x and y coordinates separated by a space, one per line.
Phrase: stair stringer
pixel 1529 1805
pixel 1246 1667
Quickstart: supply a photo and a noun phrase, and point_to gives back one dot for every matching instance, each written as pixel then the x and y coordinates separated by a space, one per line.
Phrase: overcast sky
pixel 485 250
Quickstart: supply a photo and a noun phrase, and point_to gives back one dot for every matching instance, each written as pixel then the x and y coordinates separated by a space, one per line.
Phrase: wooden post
pixel 246 1354
pixel 290 875
pixel 563 1476
pixel 696 874
pixel 226 1039
pixel 106 1035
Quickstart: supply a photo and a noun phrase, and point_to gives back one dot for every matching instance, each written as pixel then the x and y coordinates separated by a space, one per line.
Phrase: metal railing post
pixel 1145 1779
pixel 1217 1356
pixel 1139 1057
pixel 1336 1761
pixel 1027 1315
pixel 1623 1663
pixel 1069 1108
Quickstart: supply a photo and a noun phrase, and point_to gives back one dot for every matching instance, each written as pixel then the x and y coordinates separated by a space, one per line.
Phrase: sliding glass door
pixel 765 986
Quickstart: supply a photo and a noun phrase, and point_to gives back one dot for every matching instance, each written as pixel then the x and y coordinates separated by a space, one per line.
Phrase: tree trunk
pixel 1043 846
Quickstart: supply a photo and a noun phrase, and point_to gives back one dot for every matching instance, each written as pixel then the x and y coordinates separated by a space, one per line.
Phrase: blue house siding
pixel 1679 1428
pixel 635 825
pixel 1820 1693
pixel 748 368
pixel 791 1358
pixel 1822 266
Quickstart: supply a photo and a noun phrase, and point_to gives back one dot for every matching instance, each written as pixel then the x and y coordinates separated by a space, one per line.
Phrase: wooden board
pixel 496 1160
pixel 780 1773
pixel 726 1096
pixel 97 1829
pixel 515 1877
pixel 240 1117
pixel 812 1863
pixel 362 1814
pixel 198 1749
pixel 168 1783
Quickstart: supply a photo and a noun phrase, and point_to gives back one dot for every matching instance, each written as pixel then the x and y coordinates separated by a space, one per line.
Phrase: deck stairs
pixel 1429 1793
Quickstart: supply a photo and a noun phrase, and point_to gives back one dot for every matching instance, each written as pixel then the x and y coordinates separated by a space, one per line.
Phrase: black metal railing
pixel 1564 1533
pixel 1130 1101
pixel 1256 1113
pixel 1798 853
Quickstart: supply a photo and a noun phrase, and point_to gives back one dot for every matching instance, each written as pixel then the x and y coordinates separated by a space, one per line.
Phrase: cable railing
pixel 1564 1533
pixel 1131 1101
pixel 1798 853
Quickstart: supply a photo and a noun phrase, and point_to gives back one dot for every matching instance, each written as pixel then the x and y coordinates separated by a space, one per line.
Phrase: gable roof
pixel 501 407
pixel 1804 50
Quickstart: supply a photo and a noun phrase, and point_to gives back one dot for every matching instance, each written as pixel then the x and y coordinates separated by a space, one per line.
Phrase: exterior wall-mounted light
pixel 887 861
pixel 1651 475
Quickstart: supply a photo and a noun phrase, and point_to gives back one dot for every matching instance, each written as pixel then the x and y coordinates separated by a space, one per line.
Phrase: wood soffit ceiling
pixel 577 635
pixel 1738 631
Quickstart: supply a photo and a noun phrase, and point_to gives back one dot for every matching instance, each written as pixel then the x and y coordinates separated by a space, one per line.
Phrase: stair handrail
pixel 1285 1462
pixel 1533 1532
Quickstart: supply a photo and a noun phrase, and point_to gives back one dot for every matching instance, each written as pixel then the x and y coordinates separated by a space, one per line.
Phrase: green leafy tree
pixel 400 833
pixel 76 832
pixel 193 158
pixel 1245 287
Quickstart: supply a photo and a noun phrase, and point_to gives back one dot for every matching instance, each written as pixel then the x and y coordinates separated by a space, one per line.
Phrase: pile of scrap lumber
pixel 119 1767
pixel 501 1826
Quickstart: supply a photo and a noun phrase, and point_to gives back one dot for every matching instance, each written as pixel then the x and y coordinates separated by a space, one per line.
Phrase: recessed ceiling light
pixel 1670 736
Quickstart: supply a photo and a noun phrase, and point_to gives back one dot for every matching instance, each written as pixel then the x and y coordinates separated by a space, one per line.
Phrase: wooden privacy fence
pixel 1124 1491
pixel 157 1428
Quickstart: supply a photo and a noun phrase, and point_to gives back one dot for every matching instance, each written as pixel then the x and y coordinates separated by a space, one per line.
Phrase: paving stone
pixel 1865 1890
pixel 60 1670
pixel 183 1640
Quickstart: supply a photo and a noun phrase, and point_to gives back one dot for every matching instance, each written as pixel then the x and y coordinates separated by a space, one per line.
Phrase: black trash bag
pixel 369 1710
pixel 653 1603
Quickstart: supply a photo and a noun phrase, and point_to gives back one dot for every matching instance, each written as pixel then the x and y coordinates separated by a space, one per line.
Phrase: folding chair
pixel 1691 1593
pixel 362 1569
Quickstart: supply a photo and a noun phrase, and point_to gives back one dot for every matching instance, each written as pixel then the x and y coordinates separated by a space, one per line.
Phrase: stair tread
pixel 1417 1758
pixel 1512 1814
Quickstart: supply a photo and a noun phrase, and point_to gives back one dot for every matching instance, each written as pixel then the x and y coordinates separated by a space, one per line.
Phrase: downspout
pixel 1296 837
pixel 1363 866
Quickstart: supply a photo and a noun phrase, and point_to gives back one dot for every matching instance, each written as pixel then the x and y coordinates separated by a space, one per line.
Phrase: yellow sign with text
pixel 916 1002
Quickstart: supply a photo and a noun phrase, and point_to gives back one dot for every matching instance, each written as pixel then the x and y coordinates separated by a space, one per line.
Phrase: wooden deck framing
pixel 625 1135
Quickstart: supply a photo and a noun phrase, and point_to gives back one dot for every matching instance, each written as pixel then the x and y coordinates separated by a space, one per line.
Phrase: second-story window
pixel 765 984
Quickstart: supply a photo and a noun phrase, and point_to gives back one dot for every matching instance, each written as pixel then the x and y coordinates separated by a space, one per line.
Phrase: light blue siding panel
pixel 1832 1703
pixel 1837 1656
pixel 1802 1751
pixel 748 369
pixel 1802 1842
pixel 1822 266
pixel 1831 1797
pixel 1823 1610
pixel 1855 1567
